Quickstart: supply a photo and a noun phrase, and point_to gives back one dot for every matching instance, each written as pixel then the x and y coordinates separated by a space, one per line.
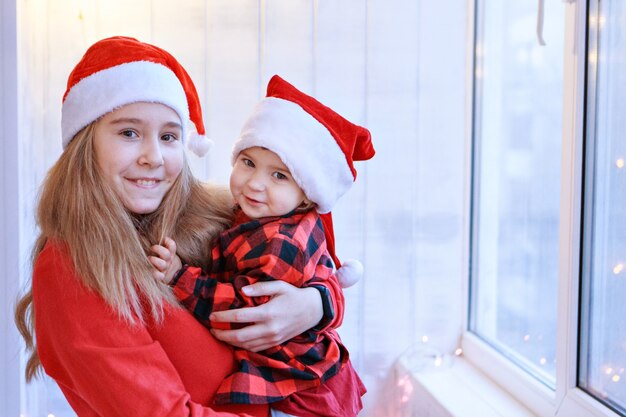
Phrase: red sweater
pixel 108 368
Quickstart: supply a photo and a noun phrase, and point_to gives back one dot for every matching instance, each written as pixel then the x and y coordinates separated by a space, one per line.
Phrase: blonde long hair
pixel 79 209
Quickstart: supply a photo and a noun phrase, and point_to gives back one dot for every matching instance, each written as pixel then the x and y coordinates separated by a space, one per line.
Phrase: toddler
pixel 292 162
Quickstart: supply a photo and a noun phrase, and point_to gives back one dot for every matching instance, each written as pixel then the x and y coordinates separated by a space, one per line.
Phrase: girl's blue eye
pixel 169 137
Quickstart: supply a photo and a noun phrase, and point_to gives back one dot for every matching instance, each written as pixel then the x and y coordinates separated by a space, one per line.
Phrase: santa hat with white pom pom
pixel 318 146
pixel 118 71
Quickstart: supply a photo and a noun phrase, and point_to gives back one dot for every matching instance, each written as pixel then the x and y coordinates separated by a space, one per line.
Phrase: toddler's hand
pixel 166 263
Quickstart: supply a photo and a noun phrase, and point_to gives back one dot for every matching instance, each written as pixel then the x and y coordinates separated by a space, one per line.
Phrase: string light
pixel 407 388
pixel 543 361
pixel 615 378
pixel 620 163
pixel 458 352
pixel 526 338
pixel 438 361
pixel 403 381
pixel 618 268
pixel 425 339
pixel 480 51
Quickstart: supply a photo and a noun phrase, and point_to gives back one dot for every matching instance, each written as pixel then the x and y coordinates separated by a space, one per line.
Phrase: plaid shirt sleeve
pixel 291 252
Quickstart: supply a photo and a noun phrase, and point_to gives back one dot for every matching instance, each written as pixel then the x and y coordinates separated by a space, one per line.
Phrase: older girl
pixel 107 332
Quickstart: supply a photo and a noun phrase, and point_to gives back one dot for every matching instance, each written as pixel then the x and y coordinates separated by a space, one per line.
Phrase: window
pixel 602 359
pixel 547 240
pixel 516 180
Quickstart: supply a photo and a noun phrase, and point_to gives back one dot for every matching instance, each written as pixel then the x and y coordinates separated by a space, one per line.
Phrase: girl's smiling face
pixel 139 151
pixel 262 185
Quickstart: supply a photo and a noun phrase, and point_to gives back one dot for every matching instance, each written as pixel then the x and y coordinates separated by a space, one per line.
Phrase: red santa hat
pixel 118 71
pixel 315 143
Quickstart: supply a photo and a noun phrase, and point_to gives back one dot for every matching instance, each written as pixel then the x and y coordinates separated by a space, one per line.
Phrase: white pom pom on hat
pixel 199 144
pixel 349 273
pixel 317 145
pixel 120 70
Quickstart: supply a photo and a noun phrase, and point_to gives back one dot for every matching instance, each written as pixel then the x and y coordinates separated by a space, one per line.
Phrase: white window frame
pixel 567 400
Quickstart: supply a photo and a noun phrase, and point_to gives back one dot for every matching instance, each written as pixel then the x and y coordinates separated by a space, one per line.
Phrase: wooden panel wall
pixel 9 212
pixel 396 66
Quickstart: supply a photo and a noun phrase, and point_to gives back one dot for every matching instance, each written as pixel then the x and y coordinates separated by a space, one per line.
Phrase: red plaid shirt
pixel 291 248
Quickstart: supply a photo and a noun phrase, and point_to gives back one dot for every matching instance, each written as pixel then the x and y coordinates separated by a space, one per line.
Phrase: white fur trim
pixel 350 273
pixel 306 147
pixel 109 89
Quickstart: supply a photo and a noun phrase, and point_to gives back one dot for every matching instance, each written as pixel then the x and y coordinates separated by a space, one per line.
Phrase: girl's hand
pixel 290 312
pixel 166 263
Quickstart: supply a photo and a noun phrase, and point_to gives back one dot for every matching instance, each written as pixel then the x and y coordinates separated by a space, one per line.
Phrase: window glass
pixel 516 177
pixel 603 337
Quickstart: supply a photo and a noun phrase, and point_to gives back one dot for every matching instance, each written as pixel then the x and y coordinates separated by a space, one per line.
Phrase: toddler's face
pixel 262 185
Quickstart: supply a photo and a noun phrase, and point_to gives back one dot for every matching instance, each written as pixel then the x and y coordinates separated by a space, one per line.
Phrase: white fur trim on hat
pixel 306 147
pixel 109 89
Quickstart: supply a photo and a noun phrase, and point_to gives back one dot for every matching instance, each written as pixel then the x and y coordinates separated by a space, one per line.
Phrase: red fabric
pixel 335 397
pixel 109 368
pixel 329 231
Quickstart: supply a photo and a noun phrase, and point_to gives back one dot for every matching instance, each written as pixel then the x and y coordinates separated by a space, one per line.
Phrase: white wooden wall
pixel 9 197
pixel 395 66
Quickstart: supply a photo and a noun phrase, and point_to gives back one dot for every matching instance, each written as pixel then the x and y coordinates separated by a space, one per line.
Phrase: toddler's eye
pixel 279 176
pixel 248 162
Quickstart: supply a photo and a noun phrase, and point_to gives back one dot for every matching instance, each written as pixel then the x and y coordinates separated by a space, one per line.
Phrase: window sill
pixel 459 390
